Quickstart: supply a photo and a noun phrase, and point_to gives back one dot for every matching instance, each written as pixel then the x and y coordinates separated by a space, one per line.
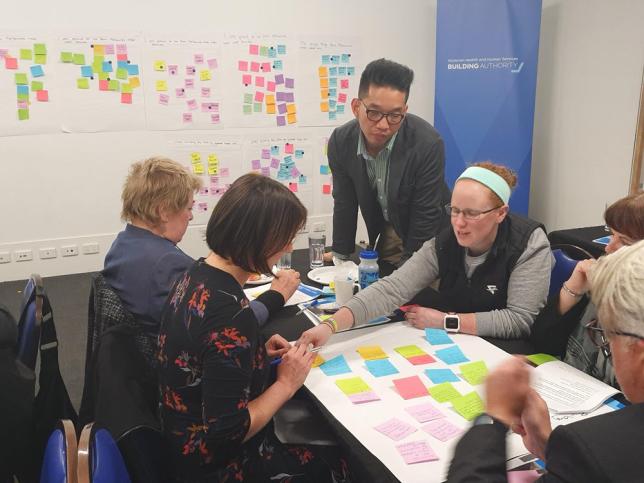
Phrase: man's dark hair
pixel 386 73
pixel 253 220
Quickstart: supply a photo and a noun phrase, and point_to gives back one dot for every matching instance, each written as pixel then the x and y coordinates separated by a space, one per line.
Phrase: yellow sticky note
pixel 324 93
pixel 82 83
pixel 212 158
pixel 290 108
pixel 213 170
pixel 161 85
pixel 291 118
pixel 270 99
pixel 469 406
pixel 26 54
pixel 66 57
pixel 474 372
pixel 79 59
pixel 319 360
pixel 408 351
pixel 135 82
pixel 198 168
pixel 323 72
pixel 352 385
pixel 371 352
pixel 99 49
pixel 270 109
pixel 444 392
pixel 159 65
pixel 324 83
pixel 205 75
pixel 324 106
pixel 126 88
pixel 195 157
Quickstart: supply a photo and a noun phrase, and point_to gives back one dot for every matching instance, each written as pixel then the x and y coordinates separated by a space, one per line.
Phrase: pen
pixel 275 362
pixel 309 304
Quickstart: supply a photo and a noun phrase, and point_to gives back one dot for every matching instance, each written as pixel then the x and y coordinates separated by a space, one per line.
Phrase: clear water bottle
pixel 368 270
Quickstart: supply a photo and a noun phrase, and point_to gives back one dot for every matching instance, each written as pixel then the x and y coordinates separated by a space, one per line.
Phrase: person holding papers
pixel 494 269
pixel 217 394
pixel 559 329
pixel 605 448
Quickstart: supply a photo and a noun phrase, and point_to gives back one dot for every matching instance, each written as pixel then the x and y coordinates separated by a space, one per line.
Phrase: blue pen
pixel 275 362
pixel 323 299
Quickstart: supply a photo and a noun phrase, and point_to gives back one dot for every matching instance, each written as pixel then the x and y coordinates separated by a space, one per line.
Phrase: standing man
pixel 389 163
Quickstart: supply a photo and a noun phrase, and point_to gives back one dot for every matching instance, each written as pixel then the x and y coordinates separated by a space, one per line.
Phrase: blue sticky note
pixel 441 375
pixel 333 82
pixel 333 92
pixel 302 179
pixel 22 89
pixel 281 49
pixel 36 71
pixel 381 367
pixel 346 58
pixel 324 169
pixel 288 160
pixel 333 71
pixel 106 66
pixel 277 65
pixel 275 150
pixel 272 53
pixel 332 103
pixel 132 69
pixel 299 153
pixel 326 60
pixel 351 70
pixel 87 71
pixel 437 337
pixel 336 366
pixel 335 59
pixel 451 355
pixel 332 116
pixel 121 64
pixel 339 108
pixel 342 71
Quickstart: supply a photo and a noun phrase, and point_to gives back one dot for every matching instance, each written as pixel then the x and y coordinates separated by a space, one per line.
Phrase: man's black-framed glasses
pixel 598 336
pixel 375 116
pixel 468 213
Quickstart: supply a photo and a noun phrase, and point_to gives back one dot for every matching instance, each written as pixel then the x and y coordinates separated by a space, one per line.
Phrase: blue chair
pixel 566 259
pixel 99 459
pixel 59 462
pixel 30 321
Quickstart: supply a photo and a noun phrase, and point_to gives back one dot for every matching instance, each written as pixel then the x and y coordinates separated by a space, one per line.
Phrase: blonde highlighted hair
pixel 156 184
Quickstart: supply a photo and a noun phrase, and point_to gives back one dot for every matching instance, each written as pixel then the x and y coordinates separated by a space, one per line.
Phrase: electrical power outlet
pixel 90 248
pixel 69 250
pixel 319 226
pixel 305 229
pixel 45 253
pixel 23 255
pixel 5 257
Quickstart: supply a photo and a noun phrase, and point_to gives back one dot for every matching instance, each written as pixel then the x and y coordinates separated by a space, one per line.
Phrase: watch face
pixel 451 322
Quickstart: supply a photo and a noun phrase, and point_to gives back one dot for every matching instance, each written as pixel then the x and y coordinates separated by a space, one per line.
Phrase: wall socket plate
pixel 45 253
pixel 90 248
pixel 319 226
pixel 69 250
pixel 23 255
pixel 5 257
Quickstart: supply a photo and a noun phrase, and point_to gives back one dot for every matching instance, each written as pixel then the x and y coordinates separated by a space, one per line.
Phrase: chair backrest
pixel 59 462
pixel 30 321
pixel 566 258
pixel 99 459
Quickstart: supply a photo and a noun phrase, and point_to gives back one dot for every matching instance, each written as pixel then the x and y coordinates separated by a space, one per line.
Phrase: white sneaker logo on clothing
pixel 492 289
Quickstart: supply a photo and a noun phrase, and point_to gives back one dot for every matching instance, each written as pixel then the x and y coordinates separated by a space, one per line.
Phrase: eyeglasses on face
pixel 373 115
pixel 468 213
pixel 598 336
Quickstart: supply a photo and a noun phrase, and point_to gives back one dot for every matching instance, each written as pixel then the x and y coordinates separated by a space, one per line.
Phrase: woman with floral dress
pixel 218 392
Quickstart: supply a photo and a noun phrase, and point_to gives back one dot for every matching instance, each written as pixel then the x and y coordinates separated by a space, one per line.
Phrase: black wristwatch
pixel 484 418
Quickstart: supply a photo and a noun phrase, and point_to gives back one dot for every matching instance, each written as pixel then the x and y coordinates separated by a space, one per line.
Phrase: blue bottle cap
pixel 369 254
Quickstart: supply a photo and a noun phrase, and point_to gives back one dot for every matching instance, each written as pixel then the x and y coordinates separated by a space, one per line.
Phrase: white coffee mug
pixel 345 287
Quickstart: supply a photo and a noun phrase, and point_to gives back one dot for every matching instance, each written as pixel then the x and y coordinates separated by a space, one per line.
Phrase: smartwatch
pixel 451 322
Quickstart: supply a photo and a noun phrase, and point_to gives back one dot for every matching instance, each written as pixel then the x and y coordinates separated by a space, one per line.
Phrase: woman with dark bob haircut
pixel 560 328
pixel 218 397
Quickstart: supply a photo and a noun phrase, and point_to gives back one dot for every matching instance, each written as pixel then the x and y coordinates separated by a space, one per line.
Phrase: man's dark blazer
pixel 605 448
pixel 416 191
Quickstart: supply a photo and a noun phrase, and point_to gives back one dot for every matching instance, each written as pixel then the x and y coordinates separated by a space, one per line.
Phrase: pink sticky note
pixel 416 452
pixel 203 191
pixel 109 49
pixel 224 172
pixel 288 148
pixel 266 67
pixel 3 53
pixel 173 69
pixel 214 118
pixel 10 63
pixel 395 429
pixel 126 98
pixel 295 172
pixel 187 117
pixel 442 429
pixel 342 97
pixel 192 104
pixel 209 107
pixel 419 360
pixel 256 164
pixel 254 66
pixel 205 92
pixel 23 104
pixel 259 96
pixel 42 96
pixel 525 476
pixel 180 92
pixel 259 81
pixel 326 189
pixel 190 70
pixel 293 187
pixel 242 65
pixel 275 163
pixel 103 85
pixel 253 49
pixel 270 86
pixel 410 387
pixel 190 83
pixel 214 180
pixel 198 58
pixel 203 207
pixel 361 397
pixel 164 99
pixel 266 171
pixel 247 79
pixel 266 153
pixel 121 49
pixel 424 412
pixel 122 57
pixel 212 63
pixel 344 84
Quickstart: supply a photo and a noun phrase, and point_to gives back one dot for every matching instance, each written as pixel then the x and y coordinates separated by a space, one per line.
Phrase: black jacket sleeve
pixel 551 330
pixel 480 456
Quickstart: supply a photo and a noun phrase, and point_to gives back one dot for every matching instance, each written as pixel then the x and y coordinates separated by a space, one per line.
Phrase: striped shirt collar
pixel 362 148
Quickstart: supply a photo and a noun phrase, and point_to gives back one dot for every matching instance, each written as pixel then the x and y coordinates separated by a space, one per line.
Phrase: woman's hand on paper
pixel 422 317
pixel 286 283
pixel 295 366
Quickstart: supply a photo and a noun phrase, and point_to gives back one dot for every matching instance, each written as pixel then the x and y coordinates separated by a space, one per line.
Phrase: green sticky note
pixel 21 79
pixel 23 114
pixel 22 96
pixel 444 392
pixel 538 359
pixel 474 372
pixel 257 107
pixel 26 54
pixel 113 85
pixel 36 86
pixel 469 406
pixel 248 98
pixel 352 385
pixel 121 73
pixel 66 57
pixel 126 88
pixel 408 351
pixel 103 76
pixel 248 109
pixel 98 59
pixel 40 49
pixel 82 83
pixel 40 59
pixel 79 59
pixel 263 50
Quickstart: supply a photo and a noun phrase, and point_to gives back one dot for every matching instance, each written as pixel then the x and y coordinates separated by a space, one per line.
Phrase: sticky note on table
pixel 437 336
pixel 451 355
pixel 444 392
pixel 370 352
pixel 410 387
pixel 469 406
pixel 424 412
pixel 319 360
pixel 21 79
pixel 538 359
pixel 408 351
pixel 26 54
pixel 380 367
pixel 336 366
pixel 442 429
pixel 420 360
pixel 474 372
pixel 395 429
pixel 416 452
pixel 352 385
pixel 42 96
pixel 441 375
pixel 363 397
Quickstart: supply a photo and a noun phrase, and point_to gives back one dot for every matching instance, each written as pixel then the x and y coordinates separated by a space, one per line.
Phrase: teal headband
pixel 490 179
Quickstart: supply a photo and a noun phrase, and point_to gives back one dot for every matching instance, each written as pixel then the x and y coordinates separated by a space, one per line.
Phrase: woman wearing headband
pixel 493 266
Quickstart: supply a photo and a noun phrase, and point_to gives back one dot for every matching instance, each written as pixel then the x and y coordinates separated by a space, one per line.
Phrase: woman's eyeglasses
pixel 468 213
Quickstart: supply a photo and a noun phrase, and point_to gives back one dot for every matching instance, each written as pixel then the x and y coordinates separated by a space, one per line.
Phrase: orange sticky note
pixel 135 82
pixel 291 118
pixel 126 98
pixel 270 109
pixel 99 49
pixel 42 96
pixel 270 98
pixel 324 106
pixel 324 83
pixel 324 93
pixel 323 72
pixel 319 360
pixel 290 108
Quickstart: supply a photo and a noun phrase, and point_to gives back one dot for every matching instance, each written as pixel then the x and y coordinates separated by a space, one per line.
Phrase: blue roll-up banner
pixel 486 76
